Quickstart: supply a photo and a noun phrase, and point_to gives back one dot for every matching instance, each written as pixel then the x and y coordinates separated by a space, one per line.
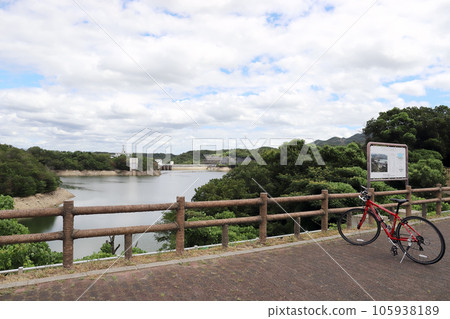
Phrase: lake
pixel 121 190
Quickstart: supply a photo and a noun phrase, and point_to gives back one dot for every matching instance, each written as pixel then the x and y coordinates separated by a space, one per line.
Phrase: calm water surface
pixel 122 190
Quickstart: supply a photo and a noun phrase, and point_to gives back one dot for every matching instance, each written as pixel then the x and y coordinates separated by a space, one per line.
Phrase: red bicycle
pixel 417 237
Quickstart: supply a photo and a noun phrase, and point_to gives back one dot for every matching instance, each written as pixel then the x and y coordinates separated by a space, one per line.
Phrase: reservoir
pixel 121 190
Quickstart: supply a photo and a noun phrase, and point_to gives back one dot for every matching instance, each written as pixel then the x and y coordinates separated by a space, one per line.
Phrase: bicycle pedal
pixel 394 251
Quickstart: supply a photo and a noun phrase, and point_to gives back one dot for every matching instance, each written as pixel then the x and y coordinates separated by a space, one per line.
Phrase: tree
pixel 418 127
pixel 22 255
pixel 120 162
pixel 21 174
pixel 6 202
pixel 426 173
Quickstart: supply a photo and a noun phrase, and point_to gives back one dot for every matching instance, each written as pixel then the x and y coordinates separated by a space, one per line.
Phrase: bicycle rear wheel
pixel 357 228
pixel 421 240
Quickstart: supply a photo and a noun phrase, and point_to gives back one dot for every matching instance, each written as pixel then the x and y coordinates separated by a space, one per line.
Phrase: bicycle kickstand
pixel 404 254
pixel 407 248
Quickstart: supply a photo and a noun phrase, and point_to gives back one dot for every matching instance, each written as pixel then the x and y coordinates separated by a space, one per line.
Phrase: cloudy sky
pixel 88 75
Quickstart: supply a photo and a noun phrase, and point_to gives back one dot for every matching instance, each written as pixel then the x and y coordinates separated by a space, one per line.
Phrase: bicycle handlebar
pixel 364 195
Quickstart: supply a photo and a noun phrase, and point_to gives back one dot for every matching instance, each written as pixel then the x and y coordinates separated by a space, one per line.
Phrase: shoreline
pixel 70 173
pixel 200 168
pixel 67 172
pixel 52 199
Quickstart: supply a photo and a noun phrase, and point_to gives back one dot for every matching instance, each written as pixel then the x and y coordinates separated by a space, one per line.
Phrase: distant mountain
pixel 335 141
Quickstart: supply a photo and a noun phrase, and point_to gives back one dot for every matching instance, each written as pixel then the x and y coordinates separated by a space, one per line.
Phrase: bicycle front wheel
pixel 357 228
pixel 420 240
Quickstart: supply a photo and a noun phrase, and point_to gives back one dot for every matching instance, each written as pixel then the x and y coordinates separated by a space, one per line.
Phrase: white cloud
pixel 414 88
pixel 309 69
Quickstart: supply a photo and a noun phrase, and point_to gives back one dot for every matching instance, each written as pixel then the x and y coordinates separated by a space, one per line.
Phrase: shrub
pixel 22 255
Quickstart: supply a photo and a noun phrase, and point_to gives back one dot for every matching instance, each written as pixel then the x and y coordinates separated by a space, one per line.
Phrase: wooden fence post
pixel 408 197
pixel 297 227
pixel 439 203
pixel 263 215
pixel 128 243
pixel 225 238
pixel 180 223
pixel 324 221
pixel 424 210
pixel 371 193
pixel 68 233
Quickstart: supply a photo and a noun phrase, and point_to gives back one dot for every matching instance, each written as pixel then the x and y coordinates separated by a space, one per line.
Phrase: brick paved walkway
pixel 301 272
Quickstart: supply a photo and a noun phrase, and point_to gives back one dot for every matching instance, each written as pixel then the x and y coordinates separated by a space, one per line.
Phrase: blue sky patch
pixel 226 71
pixel 438 97
pixel 125 3
pixel 173 14
pixel 273 18
pixel 150 35
pixel 434 97
pixel 329 8
pixel 263 59
pixel 244 70
pixel 400 80
pixel 333 97
pixel 316 87
pixel 6 4
pixel 278 70
pixel 382 100
pixel 9 80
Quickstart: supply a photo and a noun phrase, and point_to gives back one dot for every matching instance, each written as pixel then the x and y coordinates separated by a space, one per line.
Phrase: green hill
pixel 342 141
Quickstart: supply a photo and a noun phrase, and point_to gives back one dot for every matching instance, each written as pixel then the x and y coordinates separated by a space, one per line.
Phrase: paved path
pixel 301 272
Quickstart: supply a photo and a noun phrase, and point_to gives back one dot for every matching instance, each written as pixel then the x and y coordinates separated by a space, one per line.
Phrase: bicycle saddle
pixel 399 200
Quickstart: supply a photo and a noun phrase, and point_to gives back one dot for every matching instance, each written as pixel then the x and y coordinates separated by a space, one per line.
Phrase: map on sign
pixel 388 162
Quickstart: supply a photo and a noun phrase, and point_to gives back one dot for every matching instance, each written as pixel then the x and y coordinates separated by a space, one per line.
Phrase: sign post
pixel 387 162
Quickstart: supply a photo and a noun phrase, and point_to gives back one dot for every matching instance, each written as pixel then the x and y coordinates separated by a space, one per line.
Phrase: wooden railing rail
pixel 91 210
pixel 68 212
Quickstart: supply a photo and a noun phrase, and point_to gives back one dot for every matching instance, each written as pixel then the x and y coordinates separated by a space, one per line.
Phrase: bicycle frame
pixel 390 233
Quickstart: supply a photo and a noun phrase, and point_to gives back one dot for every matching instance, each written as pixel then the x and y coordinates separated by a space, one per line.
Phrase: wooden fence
pixel 68 212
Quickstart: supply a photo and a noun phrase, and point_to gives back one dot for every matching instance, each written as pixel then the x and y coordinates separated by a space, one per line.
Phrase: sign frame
pixel 385 160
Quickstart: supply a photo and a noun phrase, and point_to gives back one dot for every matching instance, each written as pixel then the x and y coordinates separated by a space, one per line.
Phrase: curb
pixel 102 272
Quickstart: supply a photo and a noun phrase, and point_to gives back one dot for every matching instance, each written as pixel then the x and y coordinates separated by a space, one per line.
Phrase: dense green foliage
pixel 205 235
pixel 188 157
pixel 22 255
pixel 343 173
pixel 424 130
pixel 106 251
pixel 418 127
pixel 22 175
pixel 6 202
pixel 95 161
pixel 61 160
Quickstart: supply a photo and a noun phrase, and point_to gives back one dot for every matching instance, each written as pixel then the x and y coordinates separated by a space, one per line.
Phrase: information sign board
pixel 386 161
